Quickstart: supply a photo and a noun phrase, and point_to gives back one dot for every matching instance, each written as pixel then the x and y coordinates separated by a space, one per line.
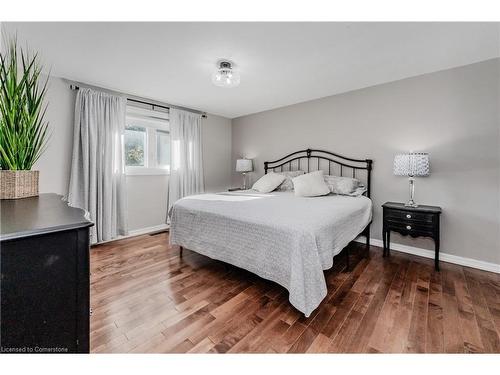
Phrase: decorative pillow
pixel 310 185
pixel 359 191
pixel 344 185
pixel 287 185
pixel 268 182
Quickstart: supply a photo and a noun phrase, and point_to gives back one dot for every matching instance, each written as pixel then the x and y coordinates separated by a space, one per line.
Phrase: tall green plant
pixel 23 130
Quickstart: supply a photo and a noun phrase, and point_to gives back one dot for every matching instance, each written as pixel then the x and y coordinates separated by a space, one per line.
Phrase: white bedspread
pixel 278 236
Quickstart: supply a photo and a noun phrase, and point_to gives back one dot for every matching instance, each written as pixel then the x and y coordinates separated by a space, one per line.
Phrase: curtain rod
pixel 136 99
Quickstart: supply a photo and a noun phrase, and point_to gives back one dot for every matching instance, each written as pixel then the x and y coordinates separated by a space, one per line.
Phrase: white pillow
pixel 268 182
pixel 310 185
pixel 287 185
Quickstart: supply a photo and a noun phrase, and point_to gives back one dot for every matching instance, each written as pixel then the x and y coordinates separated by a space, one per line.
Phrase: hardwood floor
pixel 145 298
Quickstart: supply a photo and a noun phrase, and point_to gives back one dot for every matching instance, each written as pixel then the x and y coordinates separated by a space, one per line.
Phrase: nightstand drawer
pixel 409 228
pixel 409 217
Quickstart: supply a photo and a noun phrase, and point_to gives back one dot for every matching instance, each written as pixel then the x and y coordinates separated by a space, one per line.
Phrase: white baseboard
pixel 450 258
pixel 137 232
pixel 156 228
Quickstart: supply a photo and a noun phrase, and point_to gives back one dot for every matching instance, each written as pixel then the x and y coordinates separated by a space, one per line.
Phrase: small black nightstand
pixel 421 221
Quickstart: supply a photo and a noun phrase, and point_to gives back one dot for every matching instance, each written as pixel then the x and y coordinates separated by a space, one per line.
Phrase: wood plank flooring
pixel 146 298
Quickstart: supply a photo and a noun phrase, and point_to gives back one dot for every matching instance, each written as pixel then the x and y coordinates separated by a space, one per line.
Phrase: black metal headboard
pixel 337 164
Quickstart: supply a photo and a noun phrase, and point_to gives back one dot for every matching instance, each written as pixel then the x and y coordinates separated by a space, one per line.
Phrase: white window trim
pixel 144 113
pixel 146 171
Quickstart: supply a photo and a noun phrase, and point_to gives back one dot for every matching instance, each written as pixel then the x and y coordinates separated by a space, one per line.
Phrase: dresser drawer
pixel 409 217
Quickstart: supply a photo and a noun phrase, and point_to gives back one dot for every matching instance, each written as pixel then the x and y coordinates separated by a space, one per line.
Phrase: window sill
pixel 141 171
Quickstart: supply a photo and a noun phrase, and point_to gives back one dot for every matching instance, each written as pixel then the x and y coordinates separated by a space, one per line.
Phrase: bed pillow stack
pixel 268 182
pixel 310 185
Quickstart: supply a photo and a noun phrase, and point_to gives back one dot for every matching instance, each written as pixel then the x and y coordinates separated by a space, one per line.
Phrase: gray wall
pixel 147 195
pixel 55 163
pixel 453 115
pixel 147 201
pixel 216 135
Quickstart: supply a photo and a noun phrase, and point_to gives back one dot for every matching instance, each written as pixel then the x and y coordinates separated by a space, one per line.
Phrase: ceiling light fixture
pixel 225 75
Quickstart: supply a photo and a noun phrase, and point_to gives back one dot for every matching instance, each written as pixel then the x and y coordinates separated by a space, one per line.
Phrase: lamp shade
pixel 244 165
pixel 413 164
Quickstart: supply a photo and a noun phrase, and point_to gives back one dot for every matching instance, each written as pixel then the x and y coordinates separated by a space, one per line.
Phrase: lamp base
pixel 244 181
pixel 411 204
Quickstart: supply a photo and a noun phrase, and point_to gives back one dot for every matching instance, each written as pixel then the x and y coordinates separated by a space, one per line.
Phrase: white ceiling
pixel 280 63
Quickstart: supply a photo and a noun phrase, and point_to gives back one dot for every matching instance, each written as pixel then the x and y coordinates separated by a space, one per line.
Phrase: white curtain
pixel 97 181
pixel 186 171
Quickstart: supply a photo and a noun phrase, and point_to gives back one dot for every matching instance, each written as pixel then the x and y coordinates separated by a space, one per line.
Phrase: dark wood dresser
pixel 421 221
pixel 44 262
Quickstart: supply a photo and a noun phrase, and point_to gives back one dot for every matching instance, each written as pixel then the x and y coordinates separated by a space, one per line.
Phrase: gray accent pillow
pixel 361 189
pixel 287 185
pixel 345 185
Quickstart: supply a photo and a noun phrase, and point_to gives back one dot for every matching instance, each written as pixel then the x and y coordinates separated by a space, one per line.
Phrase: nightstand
pixel 421 221
pixel 235 189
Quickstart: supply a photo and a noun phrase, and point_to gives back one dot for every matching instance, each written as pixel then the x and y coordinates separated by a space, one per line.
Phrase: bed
pixel 278 236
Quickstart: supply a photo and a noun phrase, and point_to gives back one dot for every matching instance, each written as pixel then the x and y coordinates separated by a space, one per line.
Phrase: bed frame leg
pixel 180 250
pixel 347 259
pixel 367 234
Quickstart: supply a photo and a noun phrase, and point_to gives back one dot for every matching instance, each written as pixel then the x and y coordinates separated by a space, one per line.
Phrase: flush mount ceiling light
pixel 225 75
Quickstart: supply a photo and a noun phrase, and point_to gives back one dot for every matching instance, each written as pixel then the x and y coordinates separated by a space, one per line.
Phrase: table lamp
pixel 244 166
pixel 412 164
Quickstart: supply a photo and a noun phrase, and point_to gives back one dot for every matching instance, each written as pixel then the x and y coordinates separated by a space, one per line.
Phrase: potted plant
pixel 23 130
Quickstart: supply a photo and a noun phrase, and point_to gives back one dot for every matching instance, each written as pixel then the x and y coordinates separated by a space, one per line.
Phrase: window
pixel 135 146
pixel 146 142
pixel 163 148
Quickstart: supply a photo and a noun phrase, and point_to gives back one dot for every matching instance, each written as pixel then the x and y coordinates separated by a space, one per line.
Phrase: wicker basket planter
pixel 18 184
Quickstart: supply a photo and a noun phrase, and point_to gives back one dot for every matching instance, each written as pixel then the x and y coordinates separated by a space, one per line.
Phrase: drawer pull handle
pixel 408 227
pixel 408 216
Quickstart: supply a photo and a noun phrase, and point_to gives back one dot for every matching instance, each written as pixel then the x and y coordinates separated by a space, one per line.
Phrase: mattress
pixel 278 236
